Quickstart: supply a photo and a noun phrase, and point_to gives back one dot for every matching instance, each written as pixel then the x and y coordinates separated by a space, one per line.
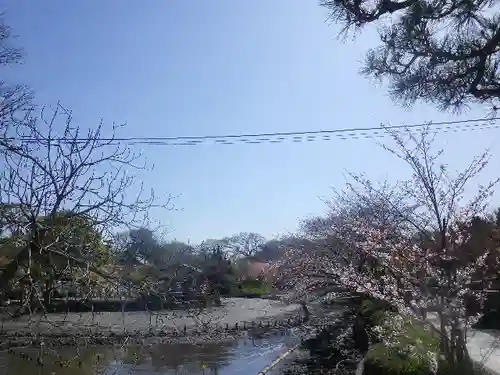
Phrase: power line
pixel 280 137
pixel 319 135
pixel 302 133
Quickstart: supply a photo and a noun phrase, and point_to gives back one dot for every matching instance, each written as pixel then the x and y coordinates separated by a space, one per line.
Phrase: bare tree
pixel 58 175
pixel 244 243
pixel 446 53
pixel 15 99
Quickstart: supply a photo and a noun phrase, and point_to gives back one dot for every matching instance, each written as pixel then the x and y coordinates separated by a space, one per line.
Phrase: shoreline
pixel 142 329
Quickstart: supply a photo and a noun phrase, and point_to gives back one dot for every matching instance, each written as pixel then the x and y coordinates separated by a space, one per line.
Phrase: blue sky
pixel 174 68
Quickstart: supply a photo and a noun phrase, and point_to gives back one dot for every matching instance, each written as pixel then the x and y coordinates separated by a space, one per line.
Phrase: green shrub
pixel 374 311
pixel 406 348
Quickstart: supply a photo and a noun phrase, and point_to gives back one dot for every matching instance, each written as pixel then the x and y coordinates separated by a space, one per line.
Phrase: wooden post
pixel 123 314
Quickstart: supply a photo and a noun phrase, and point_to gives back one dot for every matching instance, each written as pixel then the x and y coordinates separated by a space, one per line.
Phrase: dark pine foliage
pixel 446 52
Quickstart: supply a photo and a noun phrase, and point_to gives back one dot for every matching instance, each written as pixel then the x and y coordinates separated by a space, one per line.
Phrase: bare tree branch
pixel 56 179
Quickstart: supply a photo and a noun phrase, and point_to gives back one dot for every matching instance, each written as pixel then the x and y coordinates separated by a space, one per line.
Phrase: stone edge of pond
pixel 119 340
pixel 261 328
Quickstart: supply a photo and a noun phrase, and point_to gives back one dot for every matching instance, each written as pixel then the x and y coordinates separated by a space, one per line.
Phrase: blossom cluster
pixel 390 266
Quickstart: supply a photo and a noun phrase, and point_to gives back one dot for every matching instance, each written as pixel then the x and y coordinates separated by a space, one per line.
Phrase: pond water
pixel 244 356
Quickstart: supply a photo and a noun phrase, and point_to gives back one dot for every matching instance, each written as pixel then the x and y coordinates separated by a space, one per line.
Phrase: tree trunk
pixel 305 310
pixel 47 293
pixel 217 298
pixel 10 270
pixel 360 335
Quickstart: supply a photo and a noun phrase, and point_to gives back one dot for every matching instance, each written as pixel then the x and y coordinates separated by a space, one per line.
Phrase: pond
pixel 243 356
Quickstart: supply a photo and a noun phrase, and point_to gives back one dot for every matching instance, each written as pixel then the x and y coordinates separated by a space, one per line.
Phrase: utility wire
pixel 327 135
pixel 280 137
pixel 356 135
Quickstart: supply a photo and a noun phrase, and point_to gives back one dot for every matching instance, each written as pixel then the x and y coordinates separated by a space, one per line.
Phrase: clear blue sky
pixel 171 68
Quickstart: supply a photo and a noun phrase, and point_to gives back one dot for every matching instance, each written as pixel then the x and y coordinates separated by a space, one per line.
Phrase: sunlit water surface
pixel 245 356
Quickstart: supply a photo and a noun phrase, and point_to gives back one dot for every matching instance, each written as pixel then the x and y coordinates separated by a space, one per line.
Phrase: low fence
pixel 98 335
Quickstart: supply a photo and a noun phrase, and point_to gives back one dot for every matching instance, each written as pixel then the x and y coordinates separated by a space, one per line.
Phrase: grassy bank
pixel 251 289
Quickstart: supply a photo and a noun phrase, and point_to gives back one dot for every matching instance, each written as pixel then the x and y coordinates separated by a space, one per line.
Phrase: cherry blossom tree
pixel 405 244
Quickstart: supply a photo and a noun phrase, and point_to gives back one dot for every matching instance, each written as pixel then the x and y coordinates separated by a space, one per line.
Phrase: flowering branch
pixel 407 244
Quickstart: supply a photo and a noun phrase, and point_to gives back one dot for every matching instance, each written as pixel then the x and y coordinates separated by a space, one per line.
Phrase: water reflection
pixel 245 356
